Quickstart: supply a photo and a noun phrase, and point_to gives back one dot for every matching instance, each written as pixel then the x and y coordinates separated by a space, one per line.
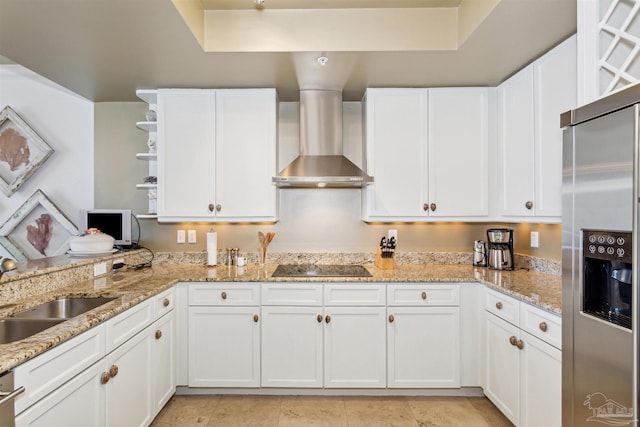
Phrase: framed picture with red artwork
pixel 22 151
pixel 38 229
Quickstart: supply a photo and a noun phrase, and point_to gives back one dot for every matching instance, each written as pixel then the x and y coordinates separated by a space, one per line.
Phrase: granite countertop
pixel 133 287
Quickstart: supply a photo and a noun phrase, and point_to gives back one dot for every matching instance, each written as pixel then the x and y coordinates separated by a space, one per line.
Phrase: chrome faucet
pixel 7 265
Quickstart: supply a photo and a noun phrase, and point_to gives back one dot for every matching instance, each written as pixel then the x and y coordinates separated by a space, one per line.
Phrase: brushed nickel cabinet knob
pixel 499 305
pixel 166 302
pixel 520 344
pixel 158 334
pixel 423 295
pixel 425 207
pixel 211 207
pixel 513 340
pixel 543 326
pixel 319 318
pixel 391 318
pixel 255 318
pixel 218 207
pixel 529 204
pixel 327 319
pixel 433 207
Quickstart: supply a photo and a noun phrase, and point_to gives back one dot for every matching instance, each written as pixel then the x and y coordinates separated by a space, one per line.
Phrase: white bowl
pixel 92 243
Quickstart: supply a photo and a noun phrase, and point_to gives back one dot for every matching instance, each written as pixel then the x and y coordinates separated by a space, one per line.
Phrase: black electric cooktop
pixel 310 270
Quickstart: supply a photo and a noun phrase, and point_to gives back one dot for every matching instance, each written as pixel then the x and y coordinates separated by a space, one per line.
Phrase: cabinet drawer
pixel 423 294
pixel 300 294
pixel 165 302
pixel 541 324
pixel 45 373
pixel 349 294
pixel 224 294
pixel 502 306
pixel 127 324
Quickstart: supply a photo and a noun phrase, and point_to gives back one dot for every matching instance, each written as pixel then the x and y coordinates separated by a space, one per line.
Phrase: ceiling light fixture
pixel 322 60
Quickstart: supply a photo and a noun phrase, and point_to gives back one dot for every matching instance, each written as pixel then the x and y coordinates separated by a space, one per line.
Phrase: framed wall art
pixel 38 229
pixel 22 151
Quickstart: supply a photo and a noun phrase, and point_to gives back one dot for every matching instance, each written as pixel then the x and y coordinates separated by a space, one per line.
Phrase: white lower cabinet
pixel 78 403
pixel 224 335
pixel 292 346
pixel 224 347
pixel 423 333
pixel 502 384
pixel 424 347
pixel 354 347
pixel 125 387
pixel 523 372
pixel 128 386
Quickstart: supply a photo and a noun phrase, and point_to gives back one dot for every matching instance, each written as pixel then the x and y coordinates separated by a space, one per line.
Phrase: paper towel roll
pixel 212 248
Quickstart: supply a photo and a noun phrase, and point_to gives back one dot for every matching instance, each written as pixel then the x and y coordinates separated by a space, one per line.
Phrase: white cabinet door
pixel 396 141
pixel 541 381
pixel 129 388
pixel 163 355
pixel 516 139
pixel 354 347
pixel 78 403
pixel 246 153
pixel 224 346
pixel 502 384
pixel 292 346
pixel 530 138
pixel 186 158
pixel 423 347
pixel 458 152
pixel 555 92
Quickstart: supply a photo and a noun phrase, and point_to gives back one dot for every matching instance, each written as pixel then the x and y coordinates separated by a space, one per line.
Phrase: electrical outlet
pixel 392 233
pixel 181 237
pixel 99 269
pixel 191 236
pixel 534 239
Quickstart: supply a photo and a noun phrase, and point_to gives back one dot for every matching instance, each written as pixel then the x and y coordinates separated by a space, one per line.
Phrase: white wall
pixel 65 121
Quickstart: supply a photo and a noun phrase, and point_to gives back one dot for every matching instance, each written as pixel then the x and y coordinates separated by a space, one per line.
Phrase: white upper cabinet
pixel 530 138
pixel 458 152
pixel 186 121
pixel 217 154
pixel 427 150
pixel 396 141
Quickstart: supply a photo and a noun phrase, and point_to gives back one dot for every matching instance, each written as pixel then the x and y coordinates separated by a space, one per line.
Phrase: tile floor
pixel 352 411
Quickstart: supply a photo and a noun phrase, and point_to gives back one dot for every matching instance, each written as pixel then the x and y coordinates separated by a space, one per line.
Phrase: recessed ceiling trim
pixel 325 4
pixel 337 30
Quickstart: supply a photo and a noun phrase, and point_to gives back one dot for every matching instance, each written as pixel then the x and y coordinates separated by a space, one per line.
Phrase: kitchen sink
pixel 13 329
pixel 64 308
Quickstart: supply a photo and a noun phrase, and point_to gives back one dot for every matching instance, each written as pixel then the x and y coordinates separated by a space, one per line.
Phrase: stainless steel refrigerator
pixel 600 261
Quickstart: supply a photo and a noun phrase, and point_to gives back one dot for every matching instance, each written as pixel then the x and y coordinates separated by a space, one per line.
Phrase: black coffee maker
pixel 500 251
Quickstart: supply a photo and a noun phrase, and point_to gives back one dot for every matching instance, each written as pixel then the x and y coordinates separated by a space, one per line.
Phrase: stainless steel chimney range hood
pixel 321 163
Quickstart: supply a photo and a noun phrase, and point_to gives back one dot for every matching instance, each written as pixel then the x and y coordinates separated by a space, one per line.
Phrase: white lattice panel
pixel 618 44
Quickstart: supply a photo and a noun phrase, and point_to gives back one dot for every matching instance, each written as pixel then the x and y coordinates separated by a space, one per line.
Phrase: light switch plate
pixel 192 236
pixel 534 239
pixel 181 236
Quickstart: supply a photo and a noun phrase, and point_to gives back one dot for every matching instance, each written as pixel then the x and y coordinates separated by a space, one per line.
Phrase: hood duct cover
pixel 321 163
